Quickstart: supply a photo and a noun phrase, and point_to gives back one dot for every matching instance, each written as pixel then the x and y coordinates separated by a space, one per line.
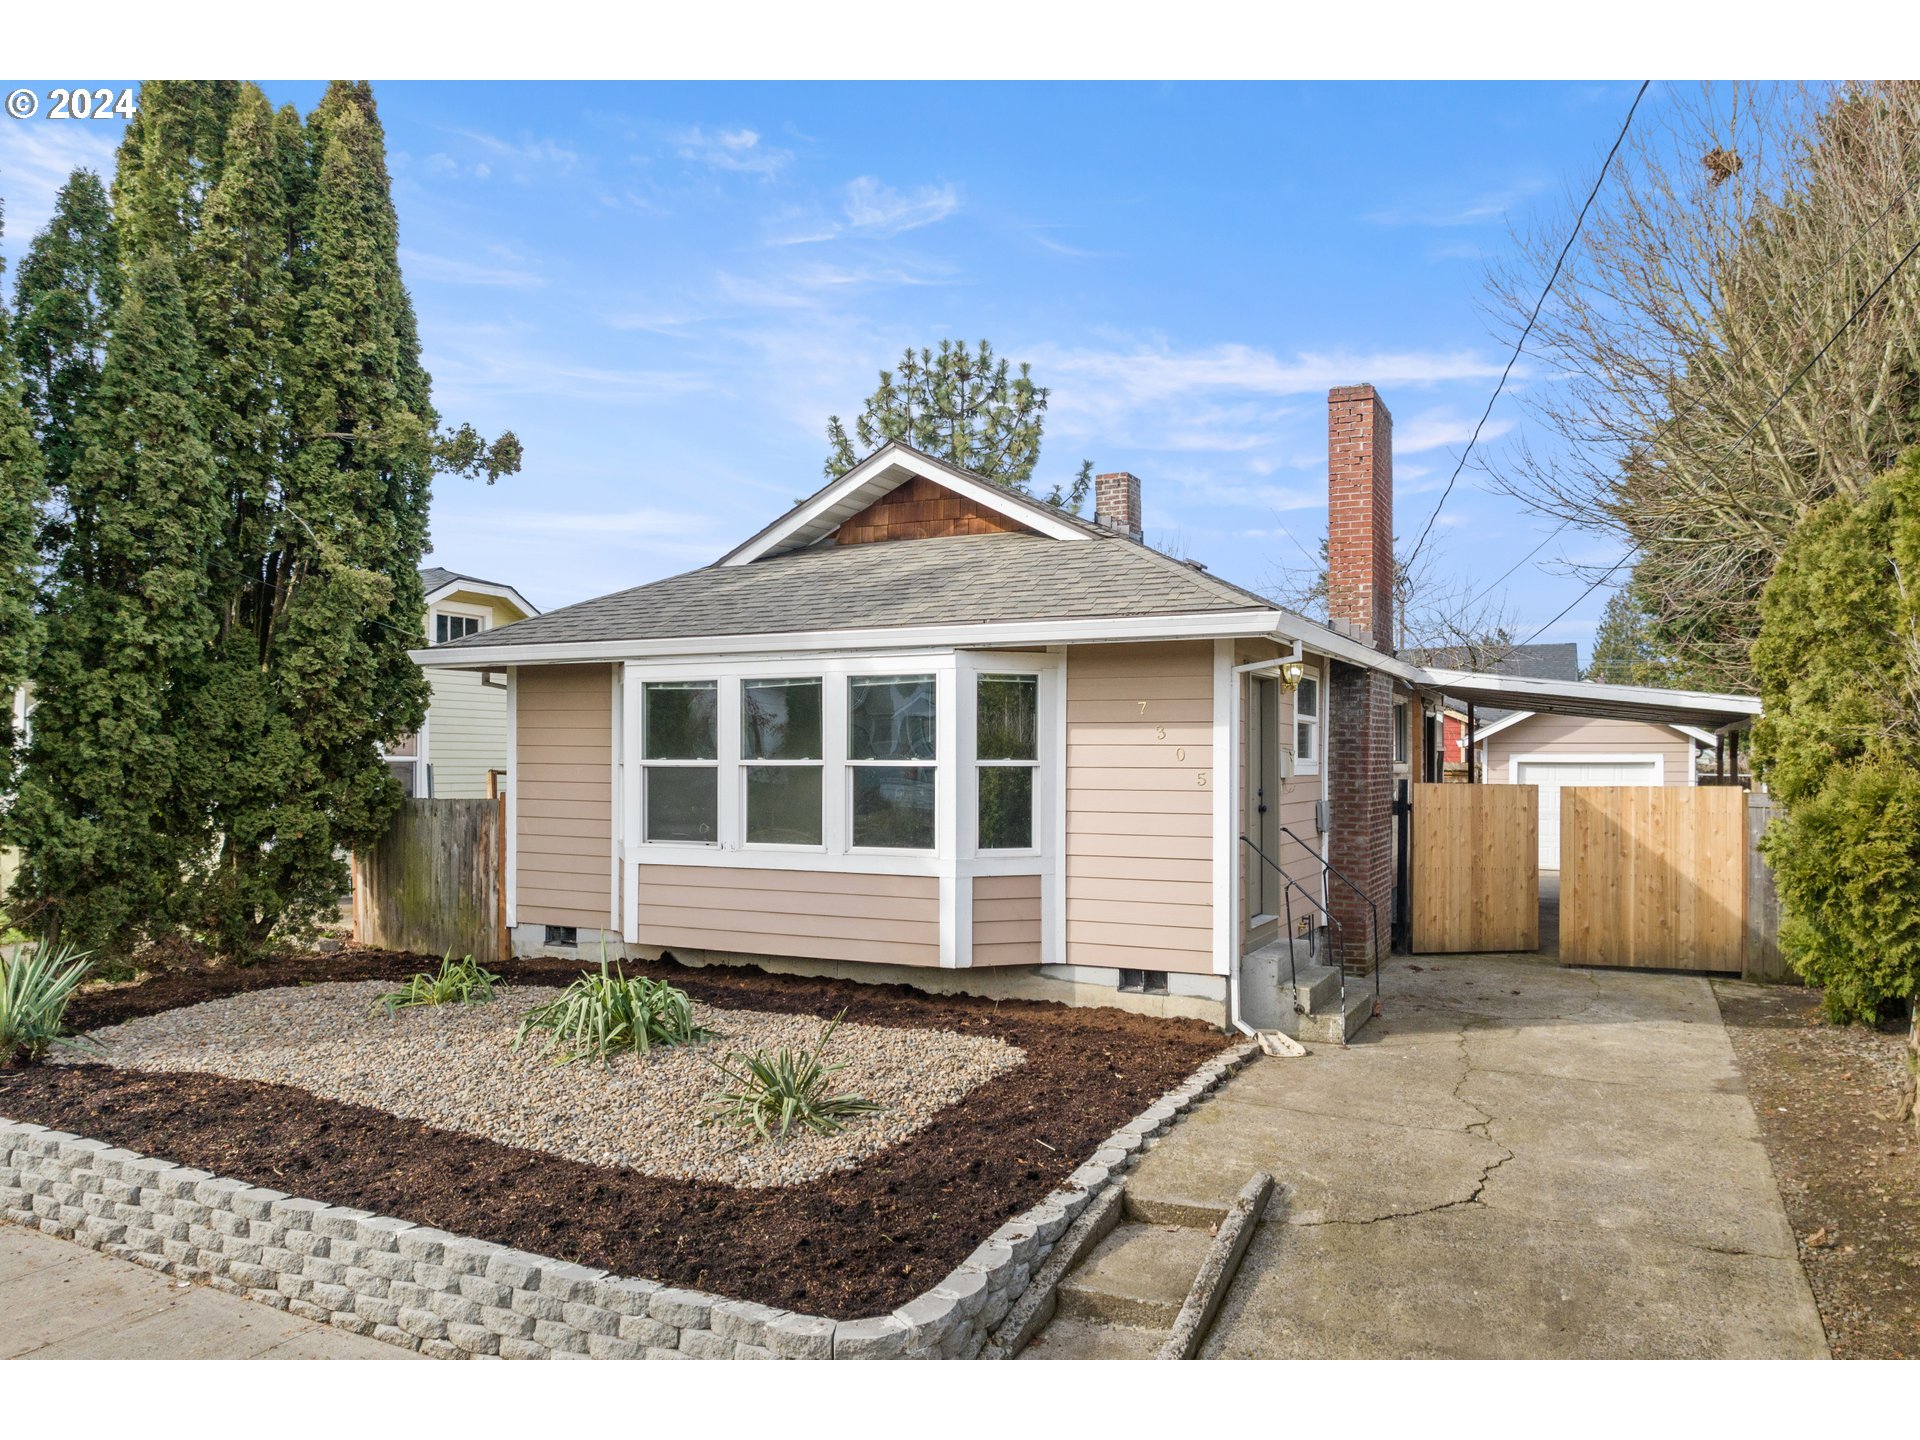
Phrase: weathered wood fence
pixel 436 884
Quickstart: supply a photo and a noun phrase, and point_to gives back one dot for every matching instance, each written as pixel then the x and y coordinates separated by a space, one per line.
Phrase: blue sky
pixel 665 289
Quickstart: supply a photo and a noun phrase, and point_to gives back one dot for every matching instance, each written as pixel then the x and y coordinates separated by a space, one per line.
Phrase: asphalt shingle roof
pixel 958 579
pixel 1559 661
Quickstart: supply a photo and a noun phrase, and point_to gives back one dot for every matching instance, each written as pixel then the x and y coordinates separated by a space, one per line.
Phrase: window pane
pixel 783 804
pixel 1303 741
pixel 893 807
pixel 1306 699
pixel 679 721
pixel 683 803
pixel 1006 807
pixel 890 717
pixel 780 720
pixel 1008 717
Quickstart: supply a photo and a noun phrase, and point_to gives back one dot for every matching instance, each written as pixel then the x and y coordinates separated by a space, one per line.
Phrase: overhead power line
pixel 1521 343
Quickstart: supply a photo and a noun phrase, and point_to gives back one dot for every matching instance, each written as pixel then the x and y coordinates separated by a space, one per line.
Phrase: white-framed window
pixel 1306 724
pixel 782 761
pixel 892 761
pixel 1006 760
pixel 1402 733
pixel 456 625
pixel 680 762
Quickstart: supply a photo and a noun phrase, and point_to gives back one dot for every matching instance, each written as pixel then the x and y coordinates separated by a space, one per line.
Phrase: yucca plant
pixel 460 982
pixel 774 1092
pixel 35 986
pixel 598 1015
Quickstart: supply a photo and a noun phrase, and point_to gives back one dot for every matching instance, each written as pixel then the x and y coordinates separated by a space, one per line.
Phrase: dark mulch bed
pixel 848 1245
pixel 1829 1102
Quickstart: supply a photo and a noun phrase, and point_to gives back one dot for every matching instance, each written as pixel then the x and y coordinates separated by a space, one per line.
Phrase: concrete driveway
pixel 1516 1161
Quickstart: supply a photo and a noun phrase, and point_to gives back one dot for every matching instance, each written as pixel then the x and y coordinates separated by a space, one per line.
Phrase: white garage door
pixel 1552 775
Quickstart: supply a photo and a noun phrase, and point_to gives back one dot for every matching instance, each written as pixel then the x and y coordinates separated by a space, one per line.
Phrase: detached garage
pixel 1556 752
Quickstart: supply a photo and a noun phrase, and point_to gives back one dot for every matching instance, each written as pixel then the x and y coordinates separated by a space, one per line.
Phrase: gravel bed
pixel 455 1066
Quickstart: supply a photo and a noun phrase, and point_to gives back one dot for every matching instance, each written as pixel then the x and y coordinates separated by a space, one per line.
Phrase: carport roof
pixel 1611 702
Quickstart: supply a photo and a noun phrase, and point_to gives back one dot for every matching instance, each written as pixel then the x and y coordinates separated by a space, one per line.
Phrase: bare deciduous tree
pixel 1740 231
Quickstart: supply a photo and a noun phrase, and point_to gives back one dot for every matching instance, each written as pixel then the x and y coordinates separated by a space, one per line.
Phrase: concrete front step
pixel 1338 1021
pixel 1139 1275
pixel 1069 1339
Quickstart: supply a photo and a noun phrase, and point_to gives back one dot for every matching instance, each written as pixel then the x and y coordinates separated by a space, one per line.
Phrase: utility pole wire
pixel 1521 343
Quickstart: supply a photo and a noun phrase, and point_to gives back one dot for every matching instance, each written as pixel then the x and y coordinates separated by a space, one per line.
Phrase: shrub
pixel 35 986
pixel 1838 665
pixel 599 1014
pixel 773 1093
pixel 460 982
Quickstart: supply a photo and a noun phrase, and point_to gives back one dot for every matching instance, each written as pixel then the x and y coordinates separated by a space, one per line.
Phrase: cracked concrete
pixel 1517 1161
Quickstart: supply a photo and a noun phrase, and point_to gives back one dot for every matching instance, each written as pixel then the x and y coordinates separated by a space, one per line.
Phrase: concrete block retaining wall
pixel 452 1297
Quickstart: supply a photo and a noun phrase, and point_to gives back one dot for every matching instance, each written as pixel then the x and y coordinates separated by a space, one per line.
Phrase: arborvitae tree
pixel 106 832
pixel 22 490
pixel 62 302
pixel 168 163
pixel 965 407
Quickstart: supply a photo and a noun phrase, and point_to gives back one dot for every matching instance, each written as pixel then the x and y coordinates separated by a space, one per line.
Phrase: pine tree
pixel 62 301
pixel 107 834
pixel 965 407
pixel 1626 650
pixel 22 491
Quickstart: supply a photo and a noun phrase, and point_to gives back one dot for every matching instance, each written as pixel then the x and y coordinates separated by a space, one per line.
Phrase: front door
pixel 1262 821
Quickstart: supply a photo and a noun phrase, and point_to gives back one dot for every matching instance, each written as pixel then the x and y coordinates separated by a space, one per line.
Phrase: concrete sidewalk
pixel 62 1301
pixel 1516 1161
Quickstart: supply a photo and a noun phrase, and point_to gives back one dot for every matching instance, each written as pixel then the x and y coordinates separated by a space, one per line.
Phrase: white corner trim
pixel 484 587
pixel 1226 838
pixel 513 794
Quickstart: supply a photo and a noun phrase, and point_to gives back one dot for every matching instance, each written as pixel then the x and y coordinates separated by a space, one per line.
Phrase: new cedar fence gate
pixel 1654 877
pixel 1476 868
pixel 436 884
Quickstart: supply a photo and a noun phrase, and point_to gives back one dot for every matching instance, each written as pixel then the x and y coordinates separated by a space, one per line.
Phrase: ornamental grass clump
pixel 35 986
pixel 774 1092
pixel 460 982
pixel 598 1015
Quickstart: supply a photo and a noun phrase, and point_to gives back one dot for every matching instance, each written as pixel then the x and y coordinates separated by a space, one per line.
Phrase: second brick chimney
pixel 1360 514
pixel 1116 502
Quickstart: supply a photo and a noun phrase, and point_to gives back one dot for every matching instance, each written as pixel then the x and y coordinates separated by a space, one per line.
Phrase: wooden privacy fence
pixel 436 884
pixel 1654 877
pixel 1476 868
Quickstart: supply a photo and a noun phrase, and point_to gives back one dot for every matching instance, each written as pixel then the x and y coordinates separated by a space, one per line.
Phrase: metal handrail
pixel 1291 884
pixel 1328 868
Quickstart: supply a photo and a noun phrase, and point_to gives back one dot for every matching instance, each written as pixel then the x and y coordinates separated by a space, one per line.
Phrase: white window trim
pixel 1317 719
pixel 941 764
pixel 1402 730
pixel 643 762
pixel 455 607
pixel 974 666
pixel 820 764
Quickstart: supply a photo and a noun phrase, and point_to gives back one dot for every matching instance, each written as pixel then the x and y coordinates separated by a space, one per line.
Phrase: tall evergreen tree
pixel 62 302
pixel 168 164
pixel 106 832
pixel 22 490
pixel 966 407
pixel 1626 647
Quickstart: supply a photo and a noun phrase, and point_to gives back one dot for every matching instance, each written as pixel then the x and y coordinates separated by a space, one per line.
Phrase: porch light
pixel 1290 674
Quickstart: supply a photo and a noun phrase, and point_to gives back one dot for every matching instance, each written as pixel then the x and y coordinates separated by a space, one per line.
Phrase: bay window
pixel 781 752
pixel 1006 755
pixel 892 760
pixel 680 754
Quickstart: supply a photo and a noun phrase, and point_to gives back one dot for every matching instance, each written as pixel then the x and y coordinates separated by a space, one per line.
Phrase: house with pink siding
pixel 925 728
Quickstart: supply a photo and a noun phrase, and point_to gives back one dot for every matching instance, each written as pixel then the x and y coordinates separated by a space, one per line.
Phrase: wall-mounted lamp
pixel 1290 674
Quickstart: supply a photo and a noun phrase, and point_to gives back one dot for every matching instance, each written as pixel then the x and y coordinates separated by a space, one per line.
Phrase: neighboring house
pixel 1525 747
pixel 924 728
pixel 461 752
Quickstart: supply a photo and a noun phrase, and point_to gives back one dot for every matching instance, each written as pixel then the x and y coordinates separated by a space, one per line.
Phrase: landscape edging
pixel 453 1297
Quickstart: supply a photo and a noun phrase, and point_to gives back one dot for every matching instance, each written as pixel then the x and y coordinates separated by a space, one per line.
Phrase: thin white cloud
pixel 423 266
pixel 736 149
pixel 523 161
pixel 1433 429
pixel 873 210
pixel 1480 209
pixel 35 161
pixel 480 363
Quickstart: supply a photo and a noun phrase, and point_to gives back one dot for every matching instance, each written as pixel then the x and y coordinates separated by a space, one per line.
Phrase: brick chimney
pixel 1359 741
pixel 1360 514
pixel 1116 502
